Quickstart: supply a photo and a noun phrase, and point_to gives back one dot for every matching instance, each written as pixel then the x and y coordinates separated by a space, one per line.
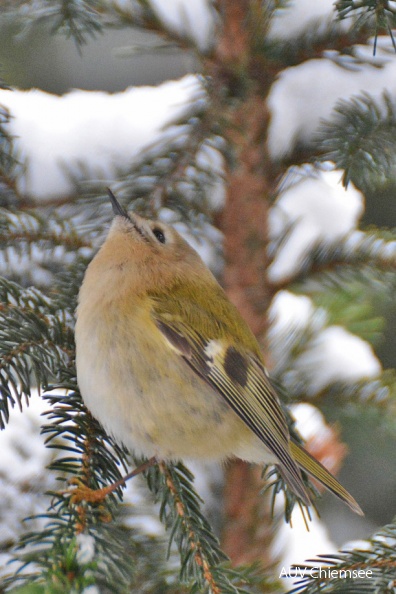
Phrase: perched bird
pixel 168 366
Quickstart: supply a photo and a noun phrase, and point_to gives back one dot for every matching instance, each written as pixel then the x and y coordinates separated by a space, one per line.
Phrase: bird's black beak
pixel 121 212
pixel 117 208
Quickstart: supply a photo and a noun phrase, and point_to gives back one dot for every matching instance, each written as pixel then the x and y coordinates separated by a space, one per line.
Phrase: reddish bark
pixel 244 220
pixel 246 532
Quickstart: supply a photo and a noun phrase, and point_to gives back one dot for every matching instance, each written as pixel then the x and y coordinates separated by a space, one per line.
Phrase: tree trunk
pixel 244 222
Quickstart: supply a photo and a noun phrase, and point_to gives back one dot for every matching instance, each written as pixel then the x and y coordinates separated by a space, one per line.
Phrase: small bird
pixel 168 366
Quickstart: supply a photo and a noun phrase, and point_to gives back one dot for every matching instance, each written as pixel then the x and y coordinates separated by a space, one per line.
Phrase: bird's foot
pixel 82 492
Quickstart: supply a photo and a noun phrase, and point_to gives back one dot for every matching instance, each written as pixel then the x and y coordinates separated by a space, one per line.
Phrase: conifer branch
pixel 198 547
pixel 360 140
pixel 175 178
pixel 30 232
pixel 141 14
pixel 370 253
pixel 372 247
pixel 377 395
pixel 315 42
pixel 10 167
pixel 379 16
pixel 377 565
pixel 78 19
pixel 202 560
pixel 95 458
pixel 34 344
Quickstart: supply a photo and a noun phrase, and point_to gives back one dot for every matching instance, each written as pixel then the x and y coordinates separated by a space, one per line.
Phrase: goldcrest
pixel 168 366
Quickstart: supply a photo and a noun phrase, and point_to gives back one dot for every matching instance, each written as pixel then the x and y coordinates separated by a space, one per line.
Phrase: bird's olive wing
pixel 238 376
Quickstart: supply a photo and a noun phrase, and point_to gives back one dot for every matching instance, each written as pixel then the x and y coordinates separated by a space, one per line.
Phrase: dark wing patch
pixel 177 340
pixel 236 366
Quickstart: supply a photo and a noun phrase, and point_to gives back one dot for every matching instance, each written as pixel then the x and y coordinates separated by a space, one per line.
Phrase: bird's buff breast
pixel 147 397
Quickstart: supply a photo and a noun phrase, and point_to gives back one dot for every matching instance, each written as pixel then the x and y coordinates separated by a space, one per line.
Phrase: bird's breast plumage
pixel 165 410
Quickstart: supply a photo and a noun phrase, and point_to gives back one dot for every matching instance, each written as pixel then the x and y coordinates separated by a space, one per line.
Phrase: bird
pixel 167 365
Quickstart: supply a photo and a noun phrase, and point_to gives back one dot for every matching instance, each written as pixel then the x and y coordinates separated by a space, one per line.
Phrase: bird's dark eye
pixel 160 235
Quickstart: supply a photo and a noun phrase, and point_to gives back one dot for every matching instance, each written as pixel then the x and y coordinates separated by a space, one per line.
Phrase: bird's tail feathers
pixel 310 465
pixel 292 476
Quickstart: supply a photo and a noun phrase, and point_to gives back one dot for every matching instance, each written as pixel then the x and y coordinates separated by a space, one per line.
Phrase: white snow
pixel 290 316
pixel 317 208
pixel 144 522
pixel 289 311
pixel 295 545
pixel 93 133
pixel 196 19
pixel 192 20
pixel 331 355
pixel 310 422
pixel 207 244
pixel 336 355
pixel 23 475
pixel 86 548
pixel 97 134
pixel 210 160
pixel 298 15
pixel 303 95
pixel 25 457
pixel 91 590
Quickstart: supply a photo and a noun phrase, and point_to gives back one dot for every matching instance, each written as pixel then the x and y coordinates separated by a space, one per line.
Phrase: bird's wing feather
pixel 240 378
pixel 228 371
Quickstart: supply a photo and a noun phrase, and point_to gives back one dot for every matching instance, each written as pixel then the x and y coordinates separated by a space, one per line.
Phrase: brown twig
pixel 195 544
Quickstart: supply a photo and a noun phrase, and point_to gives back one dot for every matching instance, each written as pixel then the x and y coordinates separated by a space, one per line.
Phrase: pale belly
pixel 154 404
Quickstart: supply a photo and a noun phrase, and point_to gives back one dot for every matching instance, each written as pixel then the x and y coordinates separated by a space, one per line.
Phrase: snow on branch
pixel 100 132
